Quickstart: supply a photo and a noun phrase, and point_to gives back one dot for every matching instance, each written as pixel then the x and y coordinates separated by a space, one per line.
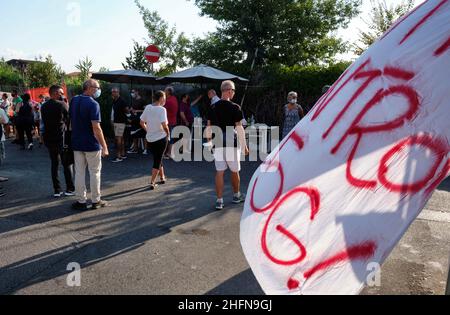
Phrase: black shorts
pixel 158 148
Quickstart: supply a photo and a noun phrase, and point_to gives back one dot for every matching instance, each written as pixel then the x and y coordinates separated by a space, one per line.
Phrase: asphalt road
pixel 170 241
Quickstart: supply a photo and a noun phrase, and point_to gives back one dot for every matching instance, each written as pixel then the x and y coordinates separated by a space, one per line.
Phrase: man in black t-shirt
pixel 55 121
pixel 121 110
pixel 226 118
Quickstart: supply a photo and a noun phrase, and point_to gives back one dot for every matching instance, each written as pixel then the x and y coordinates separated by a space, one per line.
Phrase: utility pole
pixel 251 70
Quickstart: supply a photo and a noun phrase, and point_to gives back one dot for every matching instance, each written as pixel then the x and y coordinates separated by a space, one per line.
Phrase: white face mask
pixel 293 101
pixel 97 94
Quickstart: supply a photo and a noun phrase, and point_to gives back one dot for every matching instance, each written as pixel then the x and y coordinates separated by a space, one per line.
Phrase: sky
pixel 103 30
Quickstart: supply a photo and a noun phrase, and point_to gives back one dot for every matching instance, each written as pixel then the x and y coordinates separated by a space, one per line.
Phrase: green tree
pixel 137 60
pixel 173 46
pixel 42 73
pixel 286 32
pixel 381 18
pixel 84 66
pixel 9 75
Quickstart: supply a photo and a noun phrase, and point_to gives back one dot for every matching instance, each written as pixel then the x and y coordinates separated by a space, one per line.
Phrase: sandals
pixel 153 186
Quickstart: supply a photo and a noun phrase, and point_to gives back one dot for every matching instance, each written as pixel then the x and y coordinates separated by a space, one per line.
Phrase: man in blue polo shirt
pixel 88 144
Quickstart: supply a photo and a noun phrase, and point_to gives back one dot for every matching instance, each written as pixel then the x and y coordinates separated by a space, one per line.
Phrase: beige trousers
pixel 93 161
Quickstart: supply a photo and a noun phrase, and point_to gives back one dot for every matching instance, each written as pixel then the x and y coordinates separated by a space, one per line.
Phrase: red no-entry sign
pixel 152 54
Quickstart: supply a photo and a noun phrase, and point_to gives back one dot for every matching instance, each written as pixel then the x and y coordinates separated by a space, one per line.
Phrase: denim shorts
pixel 172 140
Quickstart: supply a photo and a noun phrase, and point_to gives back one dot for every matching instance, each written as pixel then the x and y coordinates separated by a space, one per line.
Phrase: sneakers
pixel 68 193
pixel 220 205
pixel 30 147
pixel 117 160
pixel 100 204
pixel 132 152
pixel 77 206
pixel 83 206
pixel 58 194
pixel 145 152
pixel 153 186
pixel 3 179
pixel 239 199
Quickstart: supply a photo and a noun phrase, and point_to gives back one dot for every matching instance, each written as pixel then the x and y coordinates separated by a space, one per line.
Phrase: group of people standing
pixel 127 123
pixel 23 118
pixel 74 137
pixel 80 122
pixel 157 121
pixel 126 120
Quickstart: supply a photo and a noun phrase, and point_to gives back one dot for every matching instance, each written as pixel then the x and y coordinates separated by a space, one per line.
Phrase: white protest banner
pixel 340 192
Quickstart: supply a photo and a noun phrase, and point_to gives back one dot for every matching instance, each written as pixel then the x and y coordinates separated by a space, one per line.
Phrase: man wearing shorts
pixel 228 116
pixel 121 110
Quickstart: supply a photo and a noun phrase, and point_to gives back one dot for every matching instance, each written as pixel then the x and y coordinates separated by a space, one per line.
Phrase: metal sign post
pixel 152 54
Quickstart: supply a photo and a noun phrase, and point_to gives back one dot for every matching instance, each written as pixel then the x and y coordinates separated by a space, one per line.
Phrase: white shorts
pixel 227 158
pixel 119 130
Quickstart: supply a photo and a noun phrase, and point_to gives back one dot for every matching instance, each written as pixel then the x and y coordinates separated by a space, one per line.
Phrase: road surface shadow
pixel 137 215
pixel 445 185
pixel 244 283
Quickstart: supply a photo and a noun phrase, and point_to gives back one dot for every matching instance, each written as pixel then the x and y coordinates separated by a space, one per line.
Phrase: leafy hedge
pixel 267 99
pixel 9 76
pixel 307 81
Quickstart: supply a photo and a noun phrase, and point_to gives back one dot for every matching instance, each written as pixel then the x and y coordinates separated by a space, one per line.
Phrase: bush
pixel 266 100
pixel 9 75
pixel 307 81
pixel 43 73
